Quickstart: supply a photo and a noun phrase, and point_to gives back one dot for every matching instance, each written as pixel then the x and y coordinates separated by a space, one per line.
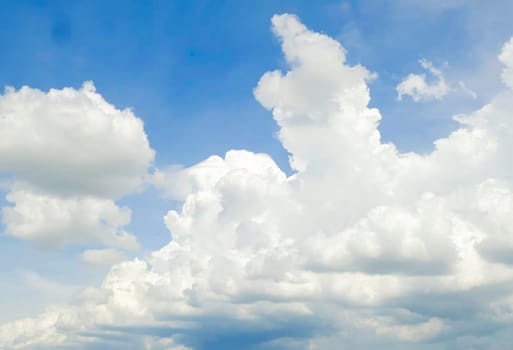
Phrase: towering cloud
pixel 362 245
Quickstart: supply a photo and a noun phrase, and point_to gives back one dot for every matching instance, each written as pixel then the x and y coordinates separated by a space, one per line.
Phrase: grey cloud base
pixel 363 247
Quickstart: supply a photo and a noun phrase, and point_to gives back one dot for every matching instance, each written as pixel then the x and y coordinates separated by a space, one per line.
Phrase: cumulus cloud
pixel 71 142
pixel 52 221
pixel 69 154
pixel 362 246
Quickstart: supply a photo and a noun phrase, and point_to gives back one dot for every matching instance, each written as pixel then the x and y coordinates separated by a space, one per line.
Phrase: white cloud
pixel 362 246
pixel 106 257
pixel 415 332
pixel 50 221
pixel 71 142
pixel 419 89
pixel 177 182
pixel 69 154
pixel 506 57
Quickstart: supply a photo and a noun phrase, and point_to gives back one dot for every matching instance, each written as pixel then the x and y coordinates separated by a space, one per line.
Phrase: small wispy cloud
pixel 422 89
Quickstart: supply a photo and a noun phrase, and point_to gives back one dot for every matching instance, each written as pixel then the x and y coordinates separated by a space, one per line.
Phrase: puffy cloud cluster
pixel 71 142
pixel 361 247
pixel 70 154
pixel 52 221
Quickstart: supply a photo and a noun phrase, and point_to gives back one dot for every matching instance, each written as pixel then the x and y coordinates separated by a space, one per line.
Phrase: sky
pixel 256 175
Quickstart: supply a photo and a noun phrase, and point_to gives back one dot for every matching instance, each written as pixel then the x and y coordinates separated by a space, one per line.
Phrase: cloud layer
pixel 362 246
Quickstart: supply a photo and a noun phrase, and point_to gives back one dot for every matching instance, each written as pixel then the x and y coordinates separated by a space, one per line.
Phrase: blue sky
pixel 189 70
pixel 162 57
